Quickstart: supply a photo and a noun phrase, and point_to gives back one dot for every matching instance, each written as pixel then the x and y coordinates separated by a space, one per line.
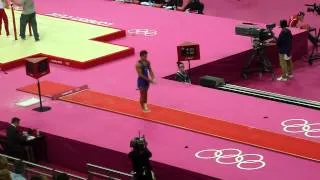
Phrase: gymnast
pixel 144 69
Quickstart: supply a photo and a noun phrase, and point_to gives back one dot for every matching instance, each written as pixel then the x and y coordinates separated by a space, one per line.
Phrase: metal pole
pixel 189 69
pixel 39 93
pixel 14 23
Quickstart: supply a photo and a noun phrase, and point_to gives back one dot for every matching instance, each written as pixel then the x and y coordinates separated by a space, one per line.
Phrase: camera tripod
pixel 315 42
pixel 264 65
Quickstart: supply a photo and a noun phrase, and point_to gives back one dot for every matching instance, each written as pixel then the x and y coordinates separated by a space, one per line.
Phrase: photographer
pixel 140 158
pixel 314 8
pixel 284 44
pixel 297 20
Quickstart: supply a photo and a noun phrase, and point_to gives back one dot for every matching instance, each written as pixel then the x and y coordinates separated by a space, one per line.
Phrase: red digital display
pixel 188 51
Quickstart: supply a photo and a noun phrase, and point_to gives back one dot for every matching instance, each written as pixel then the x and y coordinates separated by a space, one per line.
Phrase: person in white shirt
pixel 19 171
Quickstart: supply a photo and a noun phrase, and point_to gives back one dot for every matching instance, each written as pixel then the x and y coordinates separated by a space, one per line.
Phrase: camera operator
pixel 284 44
pixel 314 8
pixel 140 158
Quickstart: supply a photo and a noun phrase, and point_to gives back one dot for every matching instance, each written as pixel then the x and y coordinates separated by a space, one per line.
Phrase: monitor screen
pixel 188 52
pixel 43 66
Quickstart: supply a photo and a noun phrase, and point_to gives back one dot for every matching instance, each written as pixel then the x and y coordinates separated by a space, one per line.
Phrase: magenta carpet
pixel 306 78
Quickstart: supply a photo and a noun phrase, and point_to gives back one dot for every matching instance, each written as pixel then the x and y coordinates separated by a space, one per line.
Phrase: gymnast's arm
pixel 151 71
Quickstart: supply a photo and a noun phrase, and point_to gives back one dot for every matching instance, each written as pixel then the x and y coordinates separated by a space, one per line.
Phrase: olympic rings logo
pixel 302 126
pixel 233 156
pixel 143 32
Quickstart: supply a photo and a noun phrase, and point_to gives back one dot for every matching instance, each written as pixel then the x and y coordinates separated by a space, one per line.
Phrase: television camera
pixel 315 8
pixel 314 39
pixel 138 142
pixel 260 37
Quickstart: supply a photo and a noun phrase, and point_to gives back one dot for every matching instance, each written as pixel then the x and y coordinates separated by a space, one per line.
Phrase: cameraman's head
pixel 283 24
pixel 138 144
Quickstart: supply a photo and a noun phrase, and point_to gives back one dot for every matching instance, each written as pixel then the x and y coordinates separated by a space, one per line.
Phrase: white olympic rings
pixel 143 32
pixel 223 156
pixel 301 126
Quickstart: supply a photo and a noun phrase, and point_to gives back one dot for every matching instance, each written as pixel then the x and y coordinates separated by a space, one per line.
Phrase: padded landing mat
pixel 185 120
pixel 65 42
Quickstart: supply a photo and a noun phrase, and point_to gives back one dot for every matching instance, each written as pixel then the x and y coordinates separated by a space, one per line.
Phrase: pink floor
pixel 306 77
pixel 118 78
pixel 305 83
pixel 260 10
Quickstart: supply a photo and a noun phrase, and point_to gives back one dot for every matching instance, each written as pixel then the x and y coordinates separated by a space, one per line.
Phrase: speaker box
pixel 211 82
pixel 37 67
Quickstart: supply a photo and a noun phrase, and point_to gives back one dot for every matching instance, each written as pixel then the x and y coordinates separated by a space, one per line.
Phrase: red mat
pixel 185 120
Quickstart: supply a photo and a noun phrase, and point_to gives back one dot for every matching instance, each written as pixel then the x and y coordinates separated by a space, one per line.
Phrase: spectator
pixel 284 44
pixel 4 172
pixel 3 163
pixel 61 176
pixel 19 171
pixel 38 178
pixel 194 6
pixel 182 75
pixel 151 1
pixel 15 139
pixel 172 3
pixel 3 16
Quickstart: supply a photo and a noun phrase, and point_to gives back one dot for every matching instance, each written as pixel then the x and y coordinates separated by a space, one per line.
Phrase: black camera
pixel 315 8
pixel 256 32
pixel 271 26
pixel 138 143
